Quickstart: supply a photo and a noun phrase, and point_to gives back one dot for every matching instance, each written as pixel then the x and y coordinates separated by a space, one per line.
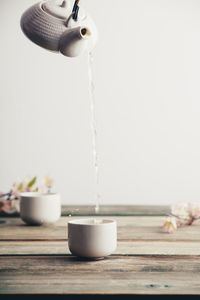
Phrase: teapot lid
pixel 58 8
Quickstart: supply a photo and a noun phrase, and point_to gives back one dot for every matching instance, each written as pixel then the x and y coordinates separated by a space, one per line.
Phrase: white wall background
pixel 147 74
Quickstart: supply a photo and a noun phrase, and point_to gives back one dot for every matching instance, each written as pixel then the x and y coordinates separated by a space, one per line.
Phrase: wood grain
pixel 129 228
pixel 117 210
pixel 124 248
pixel 127 275
pixel 36 259
pixel 111 210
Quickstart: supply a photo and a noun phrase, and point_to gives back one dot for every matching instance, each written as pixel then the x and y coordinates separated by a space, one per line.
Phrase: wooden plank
pixel 129 228
pixel 123 248
pixel 114 275
pixel 117 210
pixel 16 229
pixel 110 210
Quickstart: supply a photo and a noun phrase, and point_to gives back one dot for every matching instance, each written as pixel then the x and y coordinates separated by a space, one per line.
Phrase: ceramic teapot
pixel 60 26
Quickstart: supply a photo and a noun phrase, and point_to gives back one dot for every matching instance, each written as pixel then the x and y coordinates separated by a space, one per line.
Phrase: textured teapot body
pixel 50 25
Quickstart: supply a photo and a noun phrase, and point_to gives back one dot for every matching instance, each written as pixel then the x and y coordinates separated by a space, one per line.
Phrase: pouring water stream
pixel 93 129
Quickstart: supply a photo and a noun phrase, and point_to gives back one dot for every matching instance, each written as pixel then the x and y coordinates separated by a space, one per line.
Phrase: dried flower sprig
pixel 9 202
pixel 182 214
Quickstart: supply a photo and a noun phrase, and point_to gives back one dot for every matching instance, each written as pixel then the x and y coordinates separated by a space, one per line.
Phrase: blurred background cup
pixel 92 238
pixel 37 208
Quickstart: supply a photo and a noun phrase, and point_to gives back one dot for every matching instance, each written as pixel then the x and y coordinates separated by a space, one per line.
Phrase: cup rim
pixel 37 194
pixel 83 222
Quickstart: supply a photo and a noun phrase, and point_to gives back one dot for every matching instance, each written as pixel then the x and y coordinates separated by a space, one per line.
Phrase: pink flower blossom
pixel 9 202
pixel 182 214
pixel 169 225
pixel 180 209
pixel 9 206
pixel 43 189
pixel 194 209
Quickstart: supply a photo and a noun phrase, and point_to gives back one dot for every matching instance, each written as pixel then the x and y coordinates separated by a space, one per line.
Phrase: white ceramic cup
pixel 37 208
pixel 92 238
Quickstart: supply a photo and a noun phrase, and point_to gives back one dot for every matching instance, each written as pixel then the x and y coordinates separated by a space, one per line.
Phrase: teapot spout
pixel 74 41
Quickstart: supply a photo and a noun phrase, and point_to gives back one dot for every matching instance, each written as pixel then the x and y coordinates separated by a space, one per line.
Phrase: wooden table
pixel 36 260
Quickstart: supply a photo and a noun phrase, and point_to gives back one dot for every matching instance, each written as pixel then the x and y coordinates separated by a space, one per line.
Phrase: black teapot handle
pixel 75 10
